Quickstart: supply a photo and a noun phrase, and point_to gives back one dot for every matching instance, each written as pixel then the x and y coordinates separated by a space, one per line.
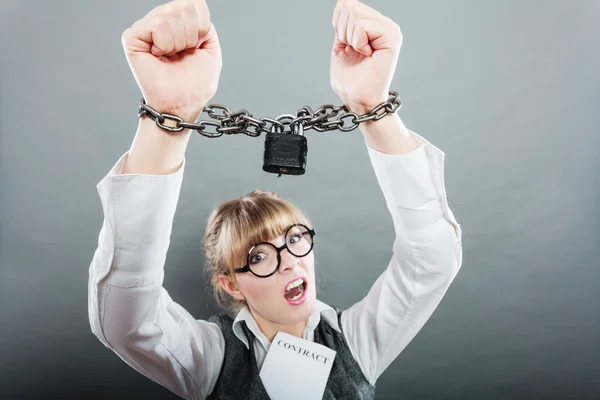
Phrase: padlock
pixel 285 152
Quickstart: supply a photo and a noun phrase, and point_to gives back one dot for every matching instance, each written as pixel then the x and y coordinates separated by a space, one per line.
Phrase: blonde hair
pixel 234 227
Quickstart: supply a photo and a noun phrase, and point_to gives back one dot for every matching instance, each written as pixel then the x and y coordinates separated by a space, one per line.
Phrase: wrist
pixel 151 116
pixel 188 115
pixel 148 123
pixel 365 106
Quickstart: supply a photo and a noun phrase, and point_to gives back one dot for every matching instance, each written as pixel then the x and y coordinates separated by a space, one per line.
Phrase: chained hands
pixel 364 55
pixel 175 57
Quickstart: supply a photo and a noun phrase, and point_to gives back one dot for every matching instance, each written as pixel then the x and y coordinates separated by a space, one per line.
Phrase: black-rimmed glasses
pixel 264 259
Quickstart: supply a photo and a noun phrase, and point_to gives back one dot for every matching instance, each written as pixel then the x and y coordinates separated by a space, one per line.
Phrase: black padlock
pixel 285 152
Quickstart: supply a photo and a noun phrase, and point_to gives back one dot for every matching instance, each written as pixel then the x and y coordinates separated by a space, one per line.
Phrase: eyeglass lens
pixel 262 259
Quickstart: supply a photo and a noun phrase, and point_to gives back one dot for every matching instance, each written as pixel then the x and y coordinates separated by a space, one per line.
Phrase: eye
pixel 296 237
pixel 256 259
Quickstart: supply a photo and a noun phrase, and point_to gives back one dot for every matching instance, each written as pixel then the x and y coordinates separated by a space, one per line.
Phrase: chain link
pixel 241 121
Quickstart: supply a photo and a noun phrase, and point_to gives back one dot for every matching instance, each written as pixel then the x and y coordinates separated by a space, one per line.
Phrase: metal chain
pixel 242 121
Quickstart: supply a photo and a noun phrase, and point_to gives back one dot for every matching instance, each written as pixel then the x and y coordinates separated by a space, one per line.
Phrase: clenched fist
pixel 364 55
pixel 175 57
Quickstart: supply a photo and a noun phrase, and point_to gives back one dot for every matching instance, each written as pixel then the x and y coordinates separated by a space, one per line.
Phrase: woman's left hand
pixel 364 55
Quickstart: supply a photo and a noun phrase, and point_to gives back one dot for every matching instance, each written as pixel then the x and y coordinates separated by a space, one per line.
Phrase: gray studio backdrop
pixel 509 90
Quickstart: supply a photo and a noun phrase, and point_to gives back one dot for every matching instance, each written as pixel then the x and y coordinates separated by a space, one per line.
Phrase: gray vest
pixel 239 377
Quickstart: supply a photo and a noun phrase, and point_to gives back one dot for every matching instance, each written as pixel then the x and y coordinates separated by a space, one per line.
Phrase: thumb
pixel 370 35
pixel 341 47
pixel 209 40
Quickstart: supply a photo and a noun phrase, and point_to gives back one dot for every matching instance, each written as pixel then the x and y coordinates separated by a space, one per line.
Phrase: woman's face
pixel 268 296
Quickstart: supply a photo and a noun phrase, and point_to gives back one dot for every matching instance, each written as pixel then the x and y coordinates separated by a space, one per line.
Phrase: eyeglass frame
pixel 246 268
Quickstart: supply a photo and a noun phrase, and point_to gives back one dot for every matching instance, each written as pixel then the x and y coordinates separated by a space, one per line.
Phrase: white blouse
pixel 133 315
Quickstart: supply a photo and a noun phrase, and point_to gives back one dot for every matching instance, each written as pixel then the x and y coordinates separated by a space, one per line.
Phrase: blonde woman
pixel 259 247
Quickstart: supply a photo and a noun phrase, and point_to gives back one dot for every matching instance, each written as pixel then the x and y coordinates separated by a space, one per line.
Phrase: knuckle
pixel 163 34
pixel 392 23
pixel 171 13
pixel 125 34
pixel 188 7
pixel 174 7
pixel 160 22
pixel 166 10
pixel 125 38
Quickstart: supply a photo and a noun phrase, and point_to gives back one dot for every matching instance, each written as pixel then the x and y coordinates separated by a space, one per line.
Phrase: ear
pixel 229 286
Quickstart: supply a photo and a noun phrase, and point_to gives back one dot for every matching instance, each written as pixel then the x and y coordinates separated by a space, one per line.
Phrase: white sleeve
pixel 427 254
pixel 129 310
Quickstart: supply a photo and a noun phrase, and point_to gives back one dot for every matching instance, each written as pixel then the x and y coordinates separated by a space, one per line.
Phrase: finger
pixel 336 13
pixel 138 37
pixel 190 24
pixel 353 20
pixel 367 11
pixel 334 17
pixel 372 34
pixel 363 32
pixel 163 41
pixel 203 16
pixel 342 23
pixel 357 12
pixel 210 40
pixel 176 24
pixel 158 30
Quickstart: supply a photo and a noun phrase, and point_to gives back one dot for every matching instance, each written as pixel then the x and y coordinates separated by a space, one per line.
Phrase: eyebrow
pixel 256 244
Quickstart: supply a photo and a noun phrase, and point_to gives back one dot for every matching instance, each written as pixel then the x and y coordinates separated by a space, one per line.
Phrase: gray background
pixel 507 89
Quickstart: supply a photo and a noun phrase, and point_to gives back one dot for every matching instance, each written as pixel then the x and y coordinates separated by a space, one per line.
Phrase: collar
pixel 321 310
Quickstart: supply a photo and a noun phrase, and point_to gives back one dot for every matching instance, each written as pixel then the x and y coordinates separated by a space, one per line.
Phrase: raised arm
pixel 427 251
pixel 426 256
pixel 129 310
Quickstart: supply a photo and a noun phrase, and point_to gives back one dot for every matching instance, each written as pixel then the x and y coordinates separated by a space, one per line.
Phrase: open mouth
pixel 295 292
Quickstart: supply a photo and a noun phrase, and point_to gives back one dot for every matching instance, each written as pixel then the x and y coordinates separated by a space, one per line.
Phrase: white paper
pixel 296 368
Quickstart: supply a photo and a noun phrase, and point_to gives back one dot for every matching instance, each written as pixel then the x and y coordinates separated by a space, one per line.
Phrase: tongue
pixel 293 292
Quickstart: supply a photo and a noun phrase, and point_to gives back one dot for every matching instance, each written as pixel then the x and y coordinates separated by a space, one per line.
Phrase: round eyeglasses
pixel 264 259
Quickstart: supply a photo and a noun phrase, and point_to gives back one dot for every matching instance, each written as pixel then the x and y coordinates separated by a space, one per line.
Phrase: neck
pixel 270 328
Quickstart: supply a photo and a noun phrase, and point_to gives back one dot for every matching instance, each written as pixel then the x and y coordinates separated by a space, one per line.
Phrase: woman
pixel 266 288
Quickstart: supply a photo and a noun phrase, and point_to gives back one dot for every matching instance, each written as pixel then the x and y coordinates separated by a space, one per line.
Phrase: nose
pixel 288 261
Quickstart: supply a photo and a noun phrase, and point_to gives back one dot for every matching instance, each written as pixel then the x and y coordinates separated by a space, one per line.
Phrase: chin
pixel 303 311
pixel 309 306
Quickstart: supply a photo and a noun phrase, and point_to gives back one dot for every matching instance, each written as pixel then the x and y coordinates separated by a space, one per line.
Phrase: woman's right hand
pixel 175 57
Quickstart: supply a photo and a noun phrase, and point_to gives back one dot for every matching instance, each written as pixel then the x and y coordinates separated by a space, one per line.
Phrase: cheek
pixel 310 265
pixel 312 276
pixel 259 291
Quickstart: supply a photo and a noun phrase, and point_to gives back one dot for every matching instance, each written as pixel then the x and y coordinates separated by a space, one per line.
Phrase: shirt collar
pixel 321 310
